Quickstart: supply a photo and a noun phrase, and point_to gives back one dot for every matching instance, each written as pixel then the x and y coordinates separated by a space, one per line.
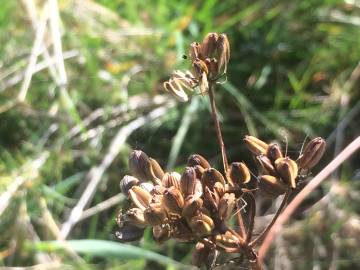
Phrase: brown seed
pixel 154 214
pixel 129 233
pixel 312 154
pixel 127 183
pixel 223 51
pixel 188 181
pixel 226 205
pixel 211 176
pixel 196 159
pixel 171 179
pixel 271 185
pixel 140 197
pixel 288 170
pixel 156 170
pixel 239 173
pixel 173 200
pixel 219 188
pixel 161 233
pixel 227 240
pixel 201 225
pixel 211 198
pixel 200 254
pixel 266 165
pixel 273 152
pixel 256 146
pixel 135 216
pixel 209 45
pixel 192 206
pixel 199 67
pixel 139 164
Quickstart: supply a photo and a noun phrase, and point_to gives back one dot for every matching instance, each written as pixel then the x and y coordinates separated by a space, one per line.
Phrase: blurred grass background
pixel 81 85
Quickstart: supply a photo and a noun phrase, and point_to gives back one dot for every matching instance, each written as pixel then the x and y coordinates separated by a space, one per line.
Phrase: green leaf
pixel 103 248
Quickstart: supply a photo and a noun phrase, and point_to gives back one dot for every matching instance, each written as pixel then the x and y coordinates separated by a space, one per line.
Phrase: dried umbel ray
pixel 197 205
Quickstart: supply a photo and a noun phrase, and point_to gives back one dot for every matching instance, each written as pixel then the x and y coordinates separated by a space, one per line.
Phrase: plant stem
pixel 217 127
pixel 268 227
pixel 252 213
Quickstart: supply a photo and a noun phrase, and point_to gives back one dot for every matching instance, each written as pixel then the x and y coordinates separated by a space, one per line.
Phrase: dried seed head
pixel 211 176
pixel 196 159
pixel 226 205
pixel 188 181
pixel 213 67
pixel 129 233
pixel 239 173
pixel 127 183
pixel 312 154
pixel 272 185
pixel 135 216
pixel 192 206
pixel 139 165
pixel 171 179
pixel 223 51
pixel 227 240
pixel 288 170
pixel 154 214
pixel 173 200
pixel 256 146
pixel 174 87
pixel 273 152
pixel 140 197
pixel 201 225
pixel 266 165
pixel 161 233
pixel 209 45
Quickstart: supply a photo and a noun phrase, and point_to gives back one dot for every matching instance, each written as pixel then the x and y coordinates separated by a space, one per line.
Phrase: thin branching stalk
pixel 217 126
pixel 269 226
pixel 252 212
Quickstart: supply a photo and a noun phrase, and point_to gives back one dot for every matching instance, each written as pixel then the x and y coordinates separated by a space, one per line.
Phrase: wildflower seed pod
pixel 161 233
pixel 196 159
pixel 227 240
pixel 154 214
pixel 188 181
pixel 273 152
pixel 171 179
pixel 272 185
pixel 211 198
pixel 201 225
pixel 288 170
pixel 213 67
pixel 156 170
pixel 129 233
pixel 223 52
pixel 209 45
pixel 226 205
pixel 266 165
pixel 239 173
pixel 195 51
pixel 176 88
pixel 173 200
pixel 192 206
pixel 312 154
pixel 127 183
pixel 256 146
pixel 135 216
pixel 203 84
pixel 199 67
pixel 140 197
pixel 200 254
pixel 211 176
pixel 219 188
pixel 139 164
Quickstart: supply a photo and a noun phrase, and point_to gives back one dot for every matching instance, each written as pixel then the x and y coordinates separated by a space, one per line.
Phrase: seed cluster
pixel 197 205
pixel 209 61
